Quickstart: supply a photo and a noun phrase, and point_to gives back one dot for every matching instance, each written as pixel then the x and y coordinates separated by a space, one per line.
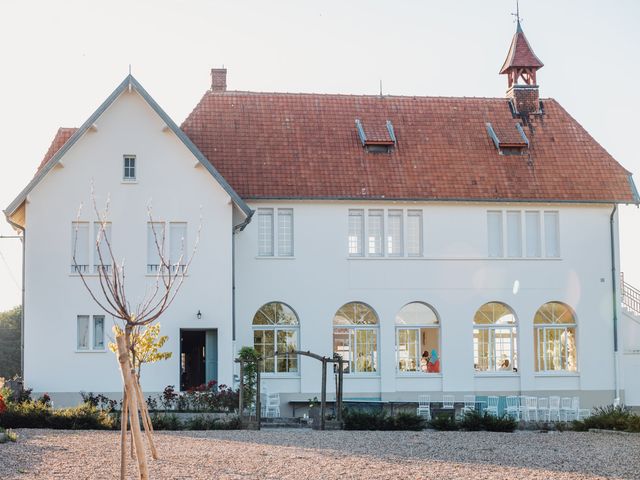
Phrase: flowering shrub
pixel 208 397
pixel 46 399
pixel 3 406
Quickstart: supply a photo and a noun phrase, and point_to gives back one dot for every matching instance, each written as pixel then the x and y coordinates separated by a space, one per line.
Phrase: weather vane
pixel 517 14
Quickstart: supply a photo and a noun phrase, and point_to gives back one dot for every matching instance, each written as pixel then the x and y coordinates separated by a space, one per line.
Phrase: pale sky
pixel 61 59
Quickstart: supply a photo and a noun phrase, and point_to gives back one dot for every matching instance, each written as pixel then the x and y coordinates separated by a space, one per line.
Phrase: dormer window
pixel 376 138
pixel 129 174
pixel 508 139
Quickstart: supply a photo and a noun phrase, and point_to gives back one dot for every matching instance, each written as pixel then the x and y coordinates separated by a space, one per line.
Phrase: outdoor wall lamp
pixel 199 315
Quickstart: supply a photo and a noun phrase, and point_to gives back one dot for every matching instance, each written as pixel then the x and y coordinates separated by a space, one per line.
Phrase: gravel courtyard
pixel 294 454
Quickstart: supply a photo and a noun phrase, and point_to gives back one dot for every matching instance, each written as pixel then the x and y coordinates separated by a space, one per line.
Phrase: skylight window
pixel 375 137
pixel 508 139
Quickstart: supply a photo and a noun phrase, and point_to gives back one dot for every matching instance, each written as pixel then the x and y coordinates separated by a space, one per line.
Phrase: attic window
pixel 509 139
pixel 376 138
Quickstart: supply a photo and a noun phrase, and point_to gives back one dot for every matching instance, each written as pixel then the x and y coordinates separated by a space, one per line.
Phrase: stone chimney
pixel 218 80
pixel 522 64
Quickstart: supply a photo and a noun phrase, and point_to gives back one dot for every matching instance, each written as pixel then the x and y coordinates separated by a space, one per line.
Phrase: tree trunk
pixel 125 367
pixel 146 420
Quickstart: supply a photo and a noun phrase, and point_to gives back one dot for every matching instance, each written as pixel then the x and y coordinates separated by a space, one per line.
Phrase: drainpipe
pixel 614 283
pixel 24 238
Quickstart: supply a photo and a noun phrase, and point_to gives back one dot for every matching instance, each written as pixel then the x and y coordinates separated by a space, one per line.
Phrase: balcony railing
pixel 630 296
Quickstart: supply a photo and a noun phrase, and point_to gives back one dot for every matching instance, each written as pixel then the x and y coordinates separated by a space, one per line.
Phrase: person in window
pixel 434 364
pixel 505 365
pixel 425 360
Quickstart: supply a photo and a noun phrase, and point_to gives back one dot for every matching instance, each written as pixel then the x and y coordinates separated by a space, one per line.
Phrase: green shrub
pixel 32 414
pixel 444 422
pixel 8 436
pixel 472 421
pixel 171 422
pixel 505 423
pixel 610 417
pixel 165 422
pixel 379 420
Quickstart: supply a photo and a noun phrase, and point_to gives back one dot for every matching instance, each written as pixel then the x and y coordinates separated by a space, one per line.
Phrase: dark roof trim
pixel 634 190
pixel 128 82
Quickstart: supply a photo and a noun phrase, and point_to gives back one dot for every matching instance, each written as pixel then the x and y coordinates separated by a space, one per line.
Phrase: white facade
pixel 453 273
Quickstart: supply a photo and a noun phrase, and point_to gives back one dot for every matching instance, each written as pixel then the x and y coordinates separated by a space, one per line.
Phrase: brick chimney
pixel 522 64
pixel 218 80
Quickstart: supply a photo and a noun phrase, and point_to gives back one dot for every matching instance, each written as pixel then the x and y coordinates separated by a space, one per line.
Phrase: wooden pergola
pixel 336 359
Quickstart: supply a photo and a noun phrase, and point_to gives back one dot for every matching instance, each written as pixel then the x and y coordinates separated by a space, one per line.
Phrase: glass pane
pixel 98 332
pixel 408 350
pixel 342 346
pixel 285 232
pixel 376 232
pixel 481 353
pixel 551 235
pixel 265 232
pixel 355 313
pixel 287 342
pixel 532 221
pixel 514 234
pixel 554 312
pixel 366 350
pixel 275 313
pixel 80 246
pixel 494 228
pixel 416 313
pixel 83 332
pixel 263 342
pixel 494 313
pixel 414 233
pixel 394 233
pixel 356 232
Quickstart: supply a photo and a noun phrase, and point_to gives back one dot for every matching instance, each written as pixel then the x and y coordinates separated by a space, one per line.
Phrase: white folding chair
pixel 522 399
pixel 575 408
pixel 531 408
pixel 513 407
pixel 583 413
pixel 273 405
pixel 469 403
pixel 554 409
pixel 565 408
pixel 448 402
pixel 492 405
pixel 543 408
pixel 424 406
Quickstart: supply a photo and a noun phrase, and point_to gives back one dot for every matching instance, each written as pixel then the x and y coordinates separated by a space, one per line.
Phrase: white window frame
pixel 352 329
pixel 125 178
pixel 106 256
pixel 523 247
pixel 76 246
pixel 91 337
pixel 358 241
pixel 275 328
pixel 285 238
pixel 417 214
pixel 161 239
pixel 361 247
pixel 395 213
pixel 184 249
pixel 492 349
pixel 540 361
pixel 277 240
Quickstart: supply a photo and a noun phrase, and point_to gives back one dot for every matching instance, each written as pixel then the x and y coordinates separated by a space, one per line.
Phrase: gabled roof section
pixel 306 146
pixel 128 83
pixel 520 53
pixel 62 135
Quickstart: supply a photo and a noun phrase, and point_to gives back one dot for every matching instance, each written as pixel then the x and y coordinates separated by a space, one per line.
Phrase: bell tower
pixel 521 65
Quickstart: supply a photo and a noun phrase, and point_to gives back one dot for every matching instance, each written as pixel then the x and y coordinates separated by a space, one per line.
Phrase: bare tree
pixel 110 294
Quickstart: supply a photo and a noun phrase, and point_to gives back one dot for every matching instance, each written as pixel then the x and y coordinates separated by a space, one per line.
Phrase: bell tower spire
pixel 522 64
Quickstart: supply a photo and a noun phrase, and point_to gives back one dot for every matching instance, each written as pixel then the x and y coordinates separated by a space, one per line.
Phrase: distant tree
pixel 10 342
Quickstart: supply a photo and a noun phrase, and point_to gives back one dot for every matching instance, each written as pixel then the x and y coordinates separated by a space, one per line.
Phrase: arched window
pixel 554 330
pixel 417 339
pixel 355 337
pixel 495 334
pixel 276 329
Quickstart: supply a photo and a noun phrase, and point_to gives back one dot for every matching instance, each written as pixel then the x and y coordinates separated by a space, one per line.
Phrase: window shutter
pixel 551 234
pixel 514 234
pixel 494 228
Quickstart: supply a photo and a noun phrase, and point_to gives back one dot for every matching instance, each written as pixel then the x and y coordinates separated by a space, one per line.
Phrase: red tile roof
pixel 277 145
pixel 62 135
pixel 520 53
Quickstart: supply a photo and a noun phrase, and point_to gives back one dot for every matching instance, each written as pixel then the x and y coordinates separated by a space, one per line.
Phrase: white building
pixel 457 245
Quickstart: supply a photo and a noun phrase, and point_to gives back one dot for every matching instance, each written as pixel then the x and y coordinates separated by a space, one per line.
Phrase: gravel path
pixel 295 454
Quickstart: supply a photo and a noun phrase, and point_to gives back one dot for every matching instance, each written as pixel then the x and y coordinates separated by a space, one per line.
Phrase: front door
pixel 198 357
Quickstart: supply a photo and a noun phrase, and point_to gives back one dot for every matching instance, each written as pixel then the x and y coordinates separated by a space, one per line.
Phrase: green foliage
pixel 34 414
pixel 444 422
pixel 10 342
pixel 208 397
pixel 146 343
pixel 250 356
pixel 8 436
pixel 504 423
pixel 609 417
pixel 472 421
pixel 380 420
pixel 199 422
